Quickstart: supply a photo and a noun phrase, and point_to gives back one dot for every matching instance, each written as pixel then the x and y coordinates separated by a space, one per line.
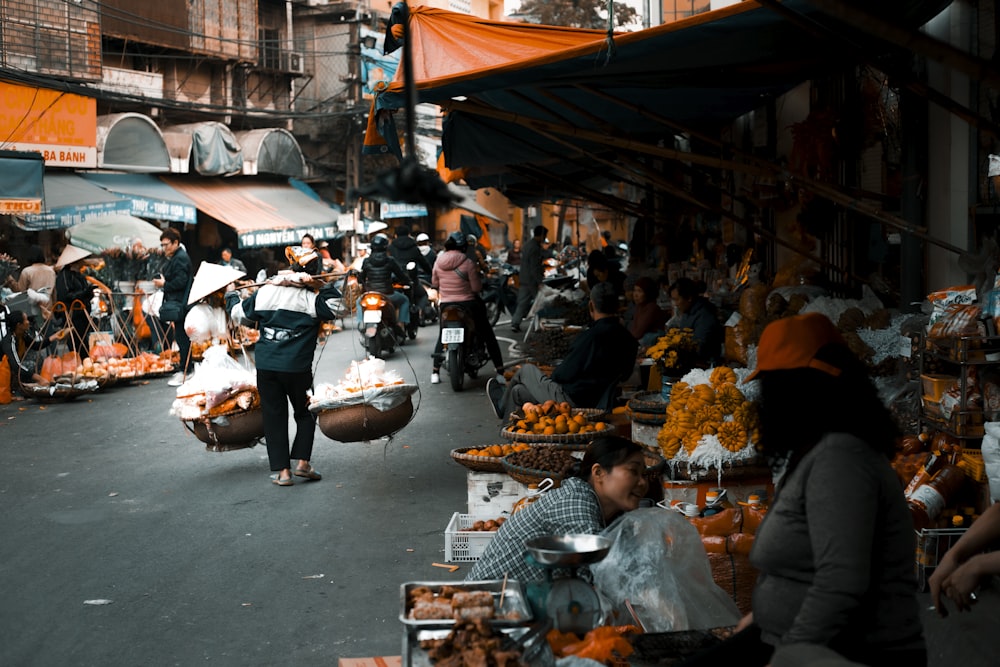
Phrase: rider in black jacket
pixel 404 250
pixel 378 272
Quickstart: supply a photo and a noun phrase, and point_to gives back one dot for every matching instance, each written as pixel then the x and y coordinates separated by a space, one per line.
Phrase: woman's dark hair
pixel 34 255
pixel 648 287
pixel 687 288
pixel 307 236
pixel 606 451
pixel 798 407
pixel 14 317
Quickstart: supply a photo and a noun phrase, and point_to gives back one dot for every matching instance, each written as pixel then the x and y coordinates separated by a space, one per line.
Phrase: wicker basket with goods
pixel 364 421
pixel 552 422
pixel 486 458
pixel 224 433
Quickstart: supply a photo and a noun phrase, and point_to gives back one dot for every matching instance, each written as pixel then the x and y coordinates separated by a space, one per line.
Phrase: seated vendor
pixel 598 359
pixel 607 482
pixel 693 311
pixel 15 347
pixel 647 319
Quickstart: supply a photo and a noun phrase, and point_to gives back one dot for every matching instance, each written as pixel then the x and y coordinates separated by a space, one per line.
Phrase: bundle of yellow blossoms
pixel 675 352
pixel 717 409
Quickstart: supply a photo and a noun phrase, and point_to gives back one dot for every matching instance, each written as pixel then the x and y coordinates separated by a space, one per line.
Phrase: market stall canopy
pixel 263 212
pixel 71 254
pixel 554 123
pixel 271 150
pixel 70 200
pixel 131 142
pixel 149 197
pixel 210 147
pixel 114 230
pixel 211 278
pixel 21 188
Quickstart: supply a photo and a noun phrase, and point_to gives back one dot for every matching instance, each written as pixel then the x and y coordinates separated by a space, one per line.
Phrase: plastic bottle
pixel 715 502
pixel 930 498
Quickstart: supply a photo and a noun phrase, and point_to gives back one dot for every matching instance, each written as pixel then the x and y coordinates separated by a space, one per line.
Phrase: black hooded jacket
pixel 405 250
pixel 378 271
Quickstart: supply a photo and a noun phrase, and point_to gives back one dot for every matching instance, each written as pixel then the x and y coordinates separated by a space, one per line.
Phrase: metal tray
pixel 534 646
pixel 515 611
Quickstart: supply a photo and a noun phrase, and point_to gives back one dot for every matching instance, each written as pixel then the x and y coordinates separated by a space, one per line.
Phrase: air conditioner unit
pixel 292 61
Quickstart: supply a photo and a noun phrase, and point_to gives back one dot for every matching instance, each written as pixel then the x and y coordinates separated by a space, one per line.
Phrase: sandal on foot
pixel 288 481
pixel 308 473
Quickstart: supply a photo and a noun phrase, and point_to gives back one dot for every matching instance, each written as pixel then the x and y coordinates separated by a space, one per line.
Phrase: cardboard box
pixel 492 494
pixel 377 661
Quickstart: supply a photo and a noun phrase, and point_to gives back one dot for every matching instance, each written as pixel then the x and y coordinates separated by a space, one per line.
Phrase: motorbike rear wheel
pixel 456 367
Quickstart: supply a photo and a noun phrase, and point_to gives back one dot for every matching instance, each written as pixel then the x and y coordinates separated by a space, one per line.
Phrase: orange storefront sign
pixel 61 126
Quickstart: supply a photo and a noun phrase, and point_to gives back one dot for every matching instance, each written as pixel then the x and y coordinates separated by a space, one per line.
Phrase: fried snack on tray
pixel 451 602
pixel 471 644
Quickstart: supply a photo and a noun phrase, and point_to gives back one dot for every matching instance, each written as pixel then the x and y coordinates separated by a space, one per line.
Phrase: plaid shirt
pixel 573 508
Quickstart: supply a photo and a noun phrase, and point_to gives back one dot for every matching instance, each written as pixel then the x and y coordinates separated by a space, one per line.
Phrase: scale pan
pixel 568 550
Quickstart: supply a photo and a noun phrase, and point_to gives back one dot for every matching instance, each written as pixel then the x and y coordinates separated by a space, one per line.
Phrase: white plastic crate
pixel 462 546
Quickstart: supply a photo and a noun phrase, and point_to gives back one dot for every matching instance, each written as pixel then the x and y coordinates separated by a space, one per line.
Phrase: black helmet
pixel 380 242
pixel 456 241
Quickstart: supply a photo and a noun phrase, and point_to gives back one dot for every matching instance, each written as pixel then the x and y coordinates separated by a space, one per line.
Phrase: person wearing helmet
pixel 379 271
pixel 476 252
pixel 404 250
pixel 458 281
pixel 425 248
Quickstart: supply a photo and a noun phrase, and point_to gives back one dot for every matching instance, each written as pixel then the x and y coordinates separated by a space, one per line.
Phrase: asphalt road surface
pixel 196 558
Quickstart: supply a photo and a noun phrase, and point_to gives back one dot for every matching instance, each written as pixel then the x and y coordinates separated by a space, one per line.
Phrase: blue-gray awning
pixel 21 189
pixel 149 196
pixel 69 200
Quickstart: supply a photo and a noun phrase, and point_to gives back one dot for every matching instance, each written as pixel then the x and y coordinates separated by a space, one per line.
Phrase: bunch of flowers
pixel 674 353
pixel 129 264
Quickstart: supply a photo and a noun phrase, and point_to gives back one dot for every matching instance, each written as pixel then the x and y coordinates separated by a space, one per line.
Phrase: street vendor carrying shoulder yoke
pixel 289 310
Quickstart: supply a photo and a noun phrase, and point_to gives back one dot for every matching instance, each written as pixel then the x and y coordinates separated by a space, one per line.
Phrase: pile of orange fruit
pixel 551 418
pixel 498 451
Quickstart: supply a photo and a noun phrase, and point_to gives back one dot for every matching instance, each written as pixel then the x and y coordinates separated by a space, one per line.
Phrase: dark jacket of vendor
pixel 289 318
pixel 600 357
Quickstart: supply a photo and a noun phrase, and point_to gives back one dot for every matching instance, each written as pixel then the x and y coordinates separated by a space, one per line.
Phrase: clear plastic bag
pixel 658 563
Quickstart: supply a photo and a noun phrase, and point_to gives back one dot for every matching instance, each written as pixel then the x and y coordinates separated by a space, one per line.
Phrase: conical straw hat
pixel 71 254
pixel 211 278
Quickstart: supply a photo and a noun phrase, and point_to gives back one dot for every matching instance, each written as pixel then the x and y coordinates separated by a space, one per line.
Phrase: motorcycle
pixel 378 324
pixel 465 350
pixel 500 290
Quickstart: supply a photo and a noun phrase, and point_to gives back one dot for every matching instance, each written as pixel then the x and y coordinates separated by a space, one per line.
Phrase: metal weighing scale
pixel 570 603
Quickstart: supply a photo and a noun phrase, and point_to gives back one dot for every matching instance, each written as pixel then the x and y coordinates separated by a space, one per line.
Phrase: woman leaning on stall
pixel 607 482
pixel 835 550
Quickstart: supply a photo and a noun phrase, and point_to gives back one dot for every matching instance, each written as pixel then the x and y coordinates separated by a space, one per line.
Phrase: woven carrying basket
pixel 477 463
pixel 238 430
pixel 358 423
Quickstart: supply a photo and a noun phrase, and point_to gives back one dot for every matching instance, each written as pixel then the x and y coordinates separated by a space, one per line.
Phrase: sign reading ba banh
pixel 61 126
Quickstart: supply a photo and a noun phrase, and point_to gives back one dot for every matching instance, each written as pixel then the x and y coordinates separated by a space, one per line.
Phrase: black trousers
pixel 277 389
